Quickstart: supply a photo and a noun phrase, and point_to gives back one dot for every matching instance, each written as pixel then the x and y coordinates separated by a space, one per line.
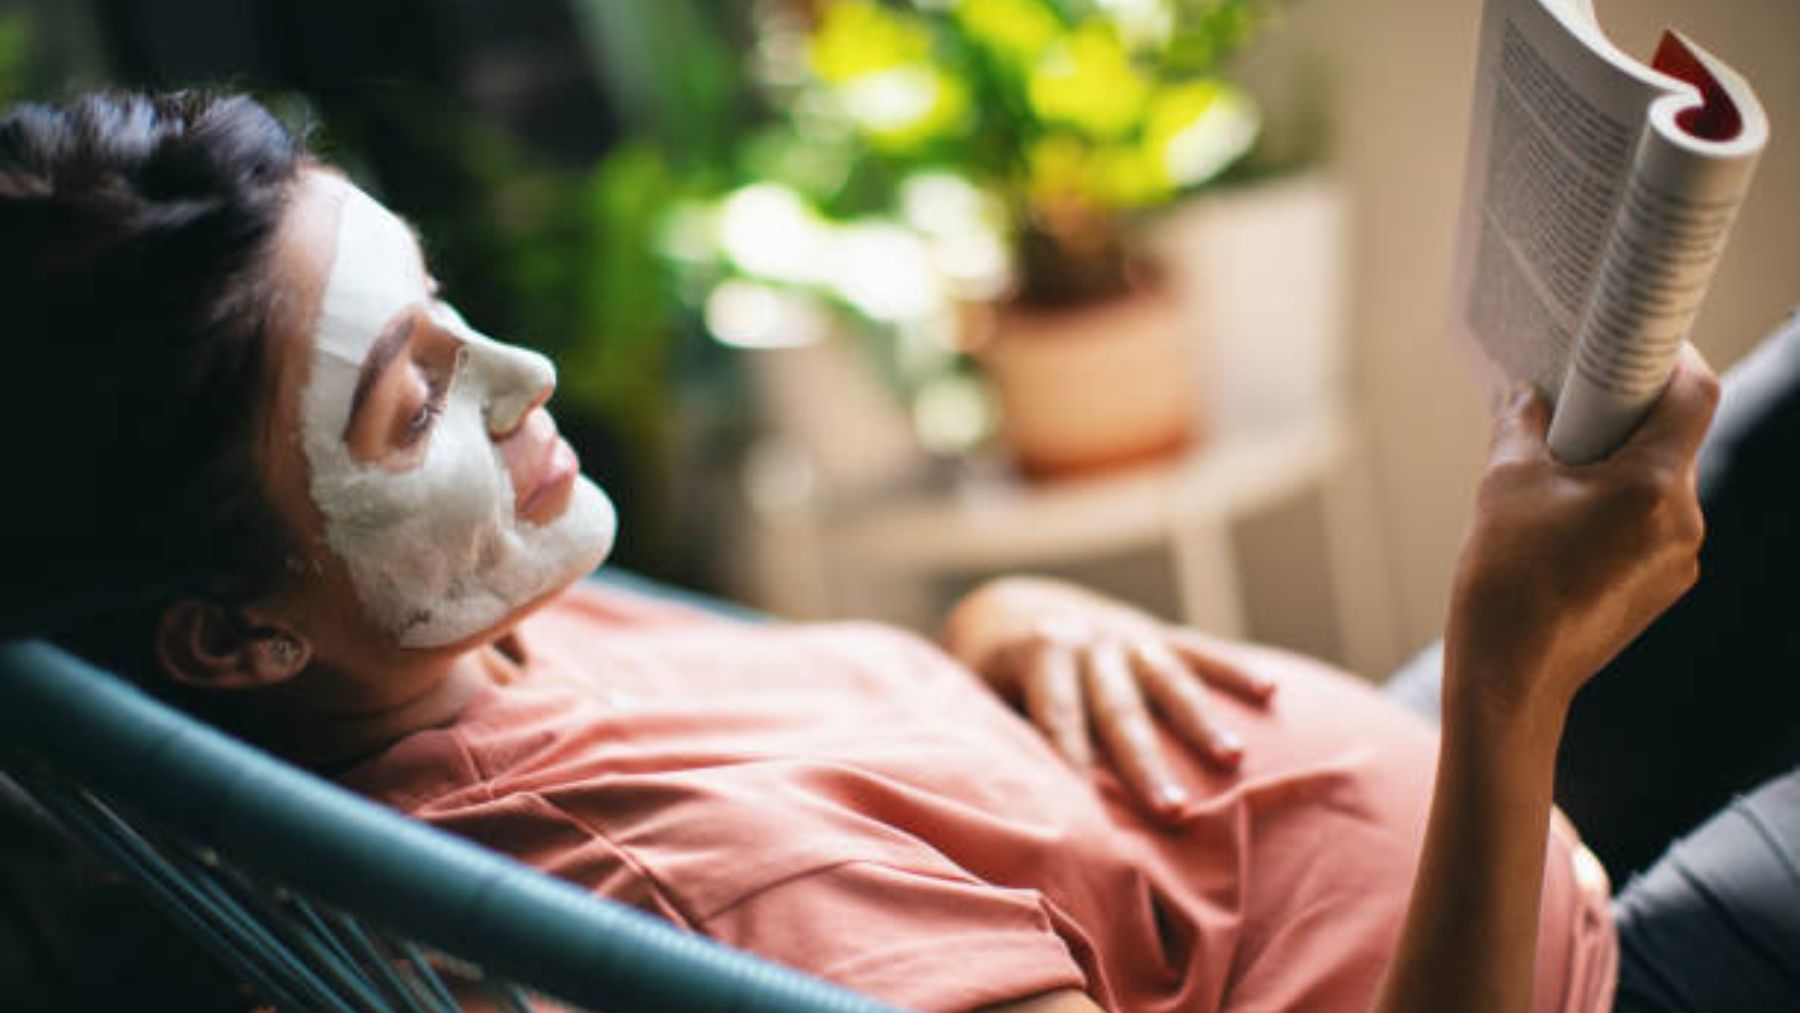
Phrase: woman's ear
pixel 211 646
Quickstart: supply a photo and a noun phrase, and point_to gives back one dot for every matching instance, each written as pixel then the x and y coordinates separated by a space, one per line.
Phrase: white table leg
pixel 1362 590
pixel 1206 573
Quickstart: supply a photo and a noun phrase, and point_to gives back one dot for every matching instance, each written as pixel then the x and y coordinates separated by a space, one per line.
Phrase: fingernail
pixel 1171 796
pixel 1229 746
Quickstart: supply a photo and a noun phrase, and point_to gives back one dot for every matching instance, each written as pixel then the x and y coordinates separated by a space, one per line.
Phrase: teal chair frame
pixel 323 900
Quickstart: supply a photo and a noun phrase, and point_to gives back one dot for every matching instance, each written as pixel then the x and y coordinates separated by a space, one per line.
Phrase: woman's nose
pixel 517 380
pixel 512 380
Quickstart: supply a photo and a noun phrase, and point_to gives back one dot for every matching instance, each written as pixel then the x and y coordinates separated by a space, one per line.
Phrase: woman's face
pixel 411 452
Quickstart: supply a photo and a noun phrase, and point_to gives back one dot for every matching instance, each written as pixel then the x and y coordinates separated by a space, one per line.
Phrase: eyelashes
pixel 419 426
pixel 437 394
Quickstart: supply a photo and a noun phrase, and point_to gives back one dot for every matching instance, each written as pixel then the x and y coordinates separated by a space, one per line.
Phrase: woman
pixel 282 480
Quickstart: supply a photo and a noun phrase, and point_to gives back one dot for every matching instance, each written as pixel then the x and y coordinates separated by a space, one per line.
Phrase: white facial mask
pixel 436 552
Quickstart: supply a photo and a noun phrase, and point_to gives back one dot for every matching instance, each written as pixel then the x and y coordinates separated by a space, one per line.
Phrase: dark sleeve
pixel 1715 924
pixel 1703 706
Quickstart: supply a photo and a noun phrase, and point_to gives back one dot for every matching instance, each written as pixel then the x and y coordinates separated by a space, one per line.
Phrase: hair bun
pixel 134 302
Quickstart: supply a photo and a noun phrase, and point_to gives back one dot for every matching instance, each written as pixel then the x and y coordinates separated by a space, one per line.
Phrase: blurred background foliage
pixel 613 182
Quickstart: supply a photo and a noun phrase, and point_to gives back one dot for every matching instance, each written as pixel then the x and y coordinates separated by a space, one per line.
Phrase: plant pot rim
pixel 1053 322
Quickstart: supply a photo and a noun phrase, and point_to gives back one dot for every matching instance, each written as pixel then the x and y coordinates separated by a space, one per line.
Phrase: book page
pixel 1556 123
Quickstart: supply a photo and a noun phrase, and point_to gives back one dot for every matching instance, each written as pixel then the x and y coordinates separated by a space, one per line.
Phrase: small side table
pixel 883 560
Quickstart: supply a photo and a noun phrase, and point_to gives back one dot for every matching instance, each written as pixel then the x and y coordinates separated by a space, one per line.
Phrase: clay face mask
pixel 435 550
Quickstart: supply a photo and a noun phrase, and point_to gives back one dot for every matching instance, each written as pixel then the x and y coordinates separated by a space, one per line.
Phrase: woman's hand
pixel 1565 565
pixel 1073 658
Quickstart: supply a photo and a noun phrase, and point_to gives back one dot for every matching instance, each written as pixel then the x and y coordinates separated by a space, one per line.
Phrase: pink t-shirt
pixel 847 800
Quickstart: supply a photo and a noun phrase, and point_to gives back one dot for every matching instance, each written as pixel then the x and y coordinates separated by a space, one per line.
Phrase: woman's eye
pixel 436 395
pixel 435 374
pixel 422 420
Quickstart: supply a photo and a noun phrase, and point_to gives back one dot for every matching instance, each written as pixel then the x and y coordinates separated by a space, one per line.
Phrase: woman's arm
pixel 1563 566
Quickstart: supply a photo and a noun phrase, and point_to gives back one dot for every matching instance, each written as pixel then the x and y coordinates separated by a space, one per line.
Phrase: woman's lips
pixel 545 494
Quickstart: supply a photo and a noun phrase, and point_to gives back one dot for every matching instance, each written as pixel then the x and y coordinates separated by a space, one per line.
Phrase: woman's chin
pixel 584 536
pixel 593 524
pixel 525 611
pixel 507 623
pixel 536 564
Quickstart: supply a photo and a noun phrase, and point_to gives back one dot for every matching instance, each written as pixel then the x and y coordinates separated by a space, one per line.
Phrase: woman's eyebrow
pixel 387 347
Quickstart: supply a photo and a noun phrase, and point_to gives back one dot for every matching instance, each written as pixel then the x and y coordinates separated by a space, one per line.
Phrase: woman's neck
pixel 332 722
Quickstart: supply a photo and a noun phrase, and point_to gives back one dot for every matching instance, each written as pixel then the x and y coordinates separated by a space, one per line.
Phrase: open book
pixel 1598 195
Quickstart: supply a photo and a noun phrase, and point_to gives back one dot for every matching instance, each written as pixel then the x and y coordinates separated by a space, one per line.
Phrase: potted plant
pixel 968 177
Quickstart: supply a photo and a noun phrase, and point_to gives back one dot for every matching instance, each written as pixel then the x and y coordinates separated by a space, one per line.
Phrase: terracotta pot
pixel 1087 388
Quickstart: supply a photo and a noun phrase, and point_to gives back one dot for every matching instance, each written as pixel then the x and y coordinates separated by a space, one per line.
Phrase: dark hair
pixel 135 307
